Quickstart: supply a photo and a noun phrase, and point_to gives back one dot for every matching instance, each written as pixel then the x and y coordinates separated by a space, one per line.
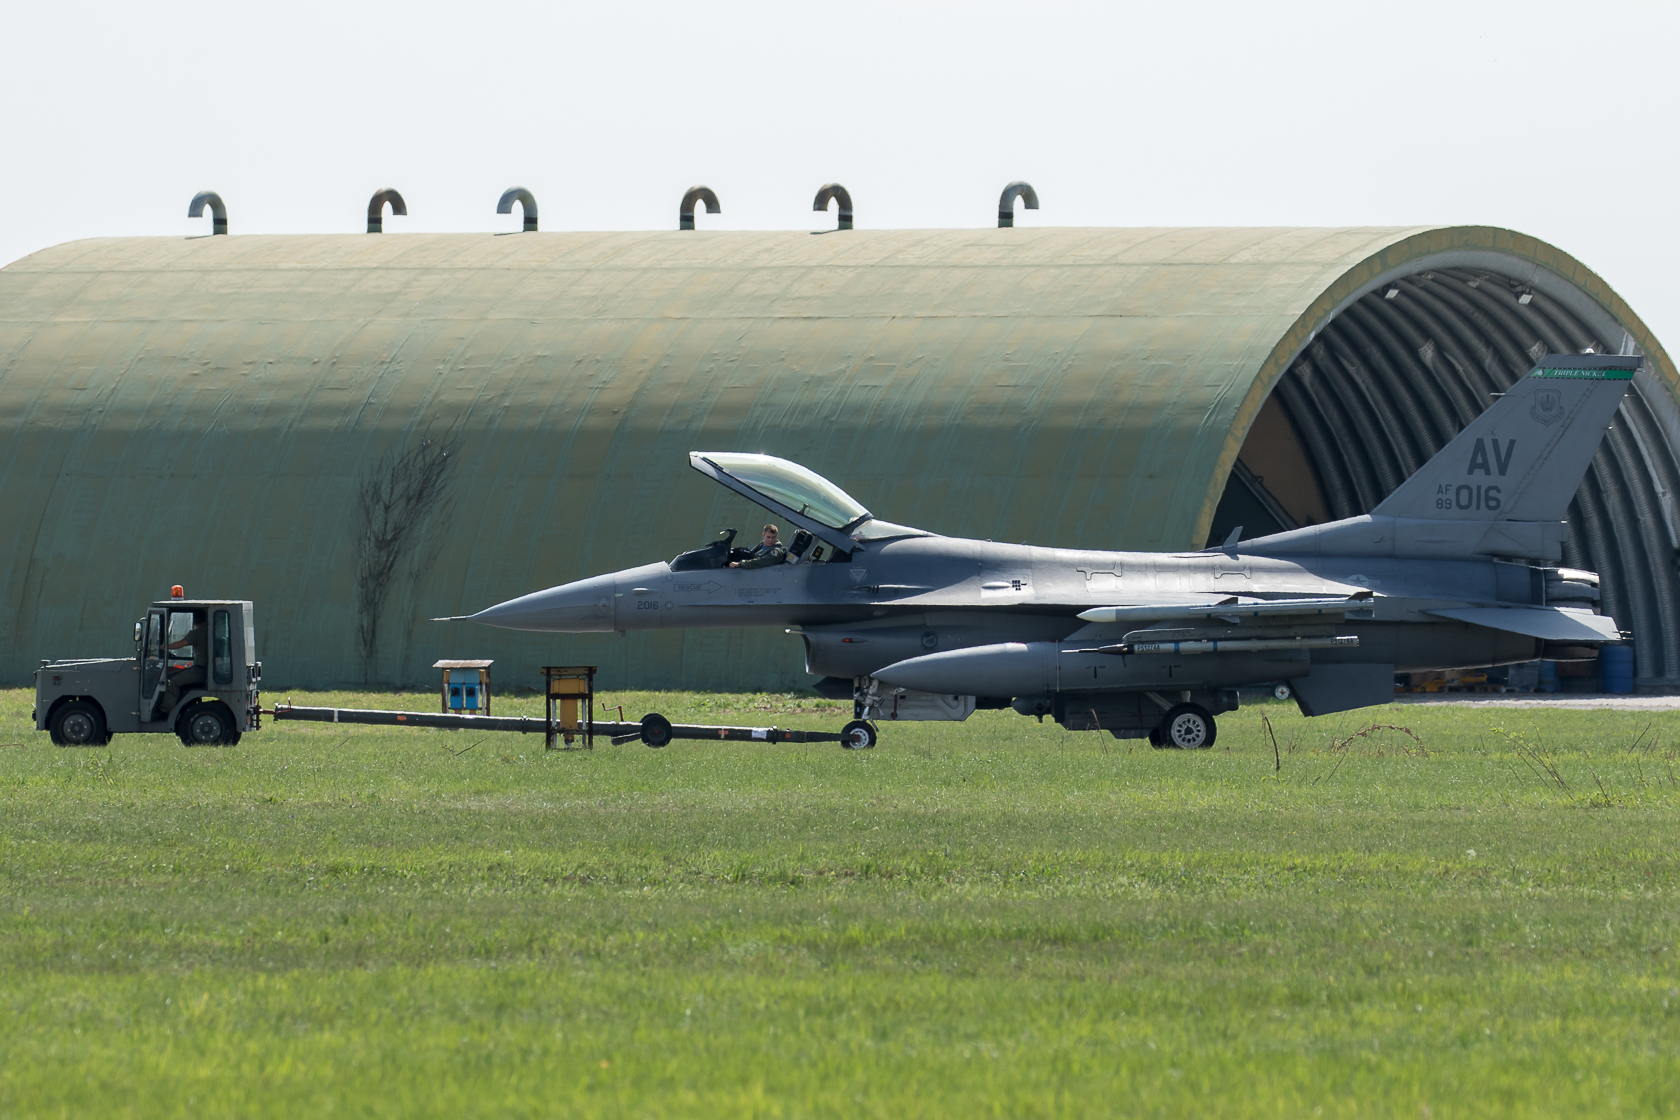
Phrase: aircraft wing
pixel 1232 609
pixel 1552 624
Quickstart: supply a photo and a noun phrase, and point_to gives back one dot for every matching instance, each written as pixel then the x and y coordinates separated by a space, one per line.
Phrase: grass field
pixel 995 918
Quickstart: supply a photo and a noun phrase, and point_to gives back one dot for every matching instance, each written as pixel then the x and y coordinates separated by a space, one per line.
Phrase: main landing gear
pixel 1187 727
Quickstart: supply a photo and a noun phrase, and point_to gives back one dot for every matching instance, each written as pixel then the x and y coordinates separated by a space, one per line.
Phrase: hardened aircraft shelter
pixel 362 432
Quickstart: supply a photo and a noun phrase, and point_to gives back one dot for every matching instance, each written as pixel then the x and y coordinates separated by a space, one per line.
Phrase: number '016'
pixel 1467 497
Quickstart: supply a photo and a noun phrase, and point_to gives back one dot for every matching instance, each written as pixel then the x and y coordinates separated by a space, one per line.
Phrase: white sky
pixel 1554 119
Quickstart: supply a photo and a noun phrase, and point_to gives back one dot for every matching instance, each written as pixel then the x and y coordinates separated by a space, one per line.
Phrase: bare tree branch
pixel 399 503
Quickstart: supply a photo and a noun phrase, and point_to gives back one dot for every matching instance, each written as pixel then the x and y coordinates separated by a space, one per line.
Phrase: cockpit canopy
pixel 789 488
pixel 798 495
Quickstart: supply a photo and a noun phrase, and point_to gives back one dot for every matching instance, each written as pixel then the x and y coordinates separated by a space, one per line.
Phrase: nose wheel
pixel 858 735
pixel 1188 727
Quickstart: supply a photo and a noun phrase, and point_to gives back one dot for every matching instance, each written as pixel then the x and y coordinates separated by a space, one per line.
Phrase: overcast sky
pixel 1554 119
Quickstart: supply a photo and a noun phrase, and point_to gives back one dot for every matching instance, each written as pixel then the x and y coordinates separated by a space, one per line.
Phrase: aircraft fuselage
pixel 896 599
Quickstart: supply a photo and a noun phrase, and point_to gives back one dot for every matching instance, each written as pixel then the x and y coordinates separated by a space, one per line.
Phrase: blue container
pixel 463 691
pixel 1615 668
pixel 1548 676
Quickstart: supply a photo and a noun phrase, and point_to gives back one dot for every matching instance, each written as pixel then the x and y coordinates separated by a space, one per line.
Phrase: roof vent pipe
pixel 218 211
pixel 376 208
pixel 838 194
pixel 685 214
pixel 1020 189
pixel 527 206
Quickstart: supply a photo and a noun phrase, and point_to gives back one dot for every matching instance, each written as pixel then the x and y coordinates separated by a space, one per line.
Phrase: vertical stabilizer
pixel 1522 459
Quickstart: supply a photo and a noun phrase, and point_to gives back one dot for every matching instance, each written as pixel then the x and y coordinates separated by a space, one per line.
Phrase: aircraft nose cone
pixel 584 606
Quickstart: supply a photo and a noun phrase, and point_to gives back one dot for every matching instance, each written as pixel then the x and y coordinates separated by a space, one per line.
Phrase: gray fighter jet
pixel 1455 569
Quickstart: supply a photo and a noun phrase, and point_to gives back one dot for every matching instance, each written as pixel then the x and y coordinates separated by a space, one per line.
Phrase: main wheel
pixel 78 724
pixel 656 730
pixel 207 725
pixel 1188 727
pixel 858 735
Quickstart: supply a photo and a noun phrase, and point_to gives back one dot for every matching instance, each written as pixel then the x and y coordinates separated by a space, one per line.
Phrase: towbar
pixel 654 729
pixel 522 724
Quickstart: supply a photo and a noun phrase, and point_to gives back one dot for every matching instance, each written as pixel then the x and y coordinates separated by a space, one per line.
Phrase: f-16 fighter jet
pixel 1455 569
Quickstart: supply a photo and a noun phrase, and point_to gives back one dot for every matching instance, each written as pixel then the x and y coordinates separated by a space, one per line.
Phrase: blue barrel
pixel 1615 668
pixel 1548 676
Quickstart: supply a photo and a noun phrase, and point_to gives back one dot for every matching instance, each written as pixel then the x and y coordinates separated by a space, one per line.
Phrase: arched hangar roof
pixel 249 415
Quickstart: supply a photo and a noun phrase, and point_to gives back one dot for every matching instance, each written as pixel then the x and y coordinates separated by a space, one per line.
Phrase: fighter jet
pixel 1458 568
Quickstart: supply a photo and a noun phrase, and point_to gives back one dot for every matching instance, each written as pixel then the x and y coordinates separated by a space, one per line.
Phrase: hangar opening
pixel 1403 368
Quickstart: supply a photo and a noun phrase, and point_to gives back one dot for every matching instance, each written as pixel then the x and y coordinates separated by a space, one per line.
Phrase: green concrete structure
pixel 359 433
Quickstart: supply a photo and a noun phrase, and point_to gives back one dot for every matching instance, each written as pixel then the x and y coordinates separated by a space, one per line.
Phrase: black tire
pixel 1188 727
pixel 656 730
pixel 79 724
pixel 207 725
pixel 1155 738
pixel 858 735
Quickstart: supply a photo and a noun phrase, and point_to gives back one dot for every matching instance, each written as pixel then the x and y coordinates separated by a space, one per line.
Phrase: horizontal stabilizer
pixel 1232 608
pixel 1553 624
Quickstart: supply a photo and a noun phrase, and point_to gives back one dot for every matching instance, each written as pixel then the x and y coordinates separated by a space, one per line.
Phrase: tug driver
pixel 193 675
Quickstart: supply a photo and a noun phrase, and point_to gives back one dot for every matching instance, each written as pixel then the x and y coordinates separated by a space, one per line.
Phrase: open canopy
pixel 797 494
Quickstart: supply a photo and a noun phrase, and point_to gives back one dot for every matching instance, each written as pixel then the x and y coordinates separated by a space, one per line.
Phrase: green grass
pixel 995 918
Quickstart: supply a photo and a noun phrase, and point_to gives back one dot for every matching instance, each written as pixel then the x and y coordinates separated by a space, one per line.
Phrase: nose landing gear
pixel 858 735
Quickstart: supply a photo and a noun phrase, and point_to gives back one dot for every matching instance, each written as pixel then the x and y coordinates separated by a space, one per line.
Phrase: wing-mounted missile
pixel 1143 641
pixel 1241 629
pixel 1233 609
pixel 1274 632
pixel 1250 625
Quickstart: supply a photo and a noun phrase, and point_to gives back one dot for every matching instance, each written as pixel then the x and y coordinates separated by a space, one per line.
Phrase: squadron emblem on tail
pixel 1548 407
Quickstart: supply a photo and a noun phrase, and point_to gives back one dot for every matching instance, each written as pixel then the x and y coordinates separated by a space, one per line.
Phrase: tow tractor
pixel 195 674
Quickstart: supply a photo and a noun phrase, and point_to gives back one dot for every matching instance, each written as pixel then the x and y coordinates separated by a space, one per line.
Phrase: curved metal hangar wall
pixel 361 433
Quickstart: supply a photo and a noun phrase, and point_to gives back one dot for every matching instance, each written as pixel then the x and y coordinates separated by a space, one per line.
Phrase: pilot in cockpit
pixel 767 554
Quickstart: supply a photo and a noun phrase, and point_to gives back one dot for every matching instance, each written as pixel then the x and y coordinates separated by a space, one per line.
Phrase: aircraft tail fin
pixel 1523 458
